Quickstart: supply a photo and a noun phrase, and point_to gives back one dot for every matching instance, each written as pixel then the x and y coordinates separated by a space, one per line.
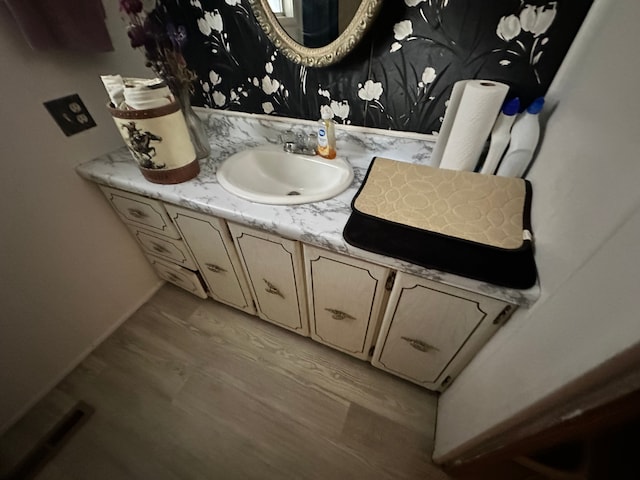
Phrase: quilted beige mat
pixel 486 209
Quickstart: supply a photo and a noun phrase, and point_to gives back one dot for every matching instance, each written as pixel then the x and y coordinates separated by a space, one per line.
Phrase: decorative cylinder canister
pixel 159 141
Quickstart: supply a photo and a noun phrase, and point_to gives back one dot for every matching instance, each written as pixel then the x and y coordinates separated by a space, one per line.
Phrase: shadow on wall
pixel 401 74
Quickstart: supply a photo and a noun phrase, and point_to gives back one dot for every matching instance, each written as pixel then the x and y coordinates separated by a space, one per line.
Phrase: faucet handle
pixel 311 141
pixel 299 142
pixel 288 137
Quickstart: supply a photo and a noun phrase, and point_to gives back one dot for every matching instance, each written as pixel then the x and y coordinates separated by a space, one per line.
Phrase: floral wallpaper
pixel 400 75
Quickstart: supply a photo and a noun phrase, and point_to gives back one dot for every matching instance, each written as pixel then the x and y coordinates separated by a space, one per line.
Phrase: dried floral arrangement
pixel 161 40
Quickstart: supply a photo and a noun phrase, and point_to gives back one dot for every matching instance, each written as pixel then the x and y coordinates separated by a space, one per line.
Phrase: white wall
pixel 586 219
pixel 68 268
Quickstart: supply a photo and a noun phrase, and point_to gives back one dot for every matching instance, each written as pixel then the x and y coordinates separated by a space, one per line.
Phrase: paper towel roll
pixel 450 115
pixel 473 109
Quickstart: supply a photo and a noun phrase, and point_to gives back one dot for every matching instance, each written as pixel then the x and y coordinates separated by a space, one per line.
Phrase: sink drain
pixel 293 192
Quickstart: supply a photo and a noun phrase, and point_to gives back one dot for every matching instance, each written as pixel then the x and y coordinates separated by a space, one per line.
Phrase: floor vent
pixel 52 443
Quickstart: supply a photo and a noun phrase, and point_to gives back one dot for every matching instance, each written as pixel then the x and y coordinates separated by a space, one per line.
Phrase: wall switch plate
pixel 70 114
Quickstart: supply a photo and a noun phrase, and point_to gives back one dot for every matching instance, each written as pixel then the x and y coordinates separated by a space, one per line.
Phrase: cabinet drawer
pixel 179 276
pixel 215 257
pixel 166 248
pixel 140 211
pixel 274 268
pixel 430 331
pixel 345 297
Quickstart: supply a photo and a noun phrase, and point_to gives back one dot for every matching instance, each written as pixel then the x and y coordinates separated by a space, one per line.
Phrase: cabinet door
pixel 140 211
pixel 274 268
pixel 213 251
pixel 179 276
pixel 345 297
pixel 430 331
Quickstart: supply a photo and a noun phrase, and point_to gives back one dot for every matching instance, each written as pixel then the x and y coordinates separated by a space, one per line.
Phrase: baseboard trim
pixel 73 364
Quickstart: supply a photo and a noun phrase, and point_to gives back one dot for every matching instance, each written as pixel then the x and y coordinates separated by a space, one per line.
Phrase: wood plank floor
pixel 192 389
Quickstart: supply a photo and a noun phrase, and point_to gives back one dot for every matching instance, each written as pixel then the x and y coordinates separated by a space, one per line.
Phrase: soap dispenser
pixel 326 134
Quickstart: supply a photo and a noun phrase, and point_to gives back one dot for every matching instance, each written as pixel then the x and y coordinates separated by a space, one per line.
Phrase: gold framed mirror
pixel 320 56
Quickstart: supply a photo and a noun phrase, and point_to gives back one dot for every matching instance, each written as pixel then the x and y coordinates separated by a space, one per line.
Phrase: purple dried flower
pixel 137 36
pixel 131 7
pixel 161 42
pixel 155 27
pixel 178 36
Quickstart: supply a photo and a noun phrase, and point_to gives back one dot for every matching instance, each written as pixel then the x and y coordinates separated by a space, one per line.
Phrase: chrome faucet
pixel 297 142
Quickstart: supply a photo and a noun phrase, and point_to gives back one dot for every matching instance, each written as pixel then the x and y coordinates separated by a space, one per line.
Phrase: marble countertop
pixel 319 223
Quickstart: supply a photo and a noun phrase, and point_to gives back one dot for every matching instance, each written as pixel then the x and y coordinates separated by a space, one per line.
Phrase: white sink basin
pixel 270 175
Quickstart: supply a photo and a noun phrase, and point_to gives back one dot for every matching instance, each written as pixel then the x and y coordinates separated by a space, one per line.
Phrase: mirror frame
pixel 316 57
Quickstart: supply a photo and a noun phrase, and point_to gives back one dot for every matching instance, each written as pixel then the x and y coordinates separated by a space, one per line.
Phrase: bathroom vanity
pixel 290 266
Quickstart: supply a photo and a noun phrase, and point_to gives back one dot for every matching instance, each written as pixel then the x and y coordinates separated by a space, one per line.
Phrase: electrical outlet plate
pixel 70 114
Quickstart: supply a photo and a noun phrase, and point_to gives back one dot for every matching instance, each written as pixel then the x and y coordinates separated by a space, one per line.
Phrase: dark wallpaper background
pixel 399 77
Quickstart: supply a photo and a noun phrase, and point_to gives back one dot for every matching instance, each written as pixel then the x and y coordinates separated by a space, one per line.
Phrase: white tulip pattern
pixel 401 79
pixel 402 30
pixel 370 91
pixel 526 31
pixel 509 28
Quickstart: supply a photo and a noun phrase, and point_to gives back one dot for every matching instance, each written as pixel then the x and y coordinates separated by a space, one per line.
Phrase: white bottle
pixel 500 135
pixel 524 139
pixel 326 134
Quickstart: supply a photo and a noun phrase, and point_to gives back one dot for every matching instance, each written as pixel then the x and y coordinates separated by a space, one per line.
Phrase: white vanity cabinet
pixel 214 253
pixel 423 331
pixel 345 297
pixel 273 266
pixel 430 331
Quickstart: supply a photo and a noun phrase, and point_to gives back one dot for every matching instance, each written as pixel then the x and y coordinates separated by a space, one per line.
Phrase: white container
pixel 159 141
pixel 524 140
pixel 500 135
